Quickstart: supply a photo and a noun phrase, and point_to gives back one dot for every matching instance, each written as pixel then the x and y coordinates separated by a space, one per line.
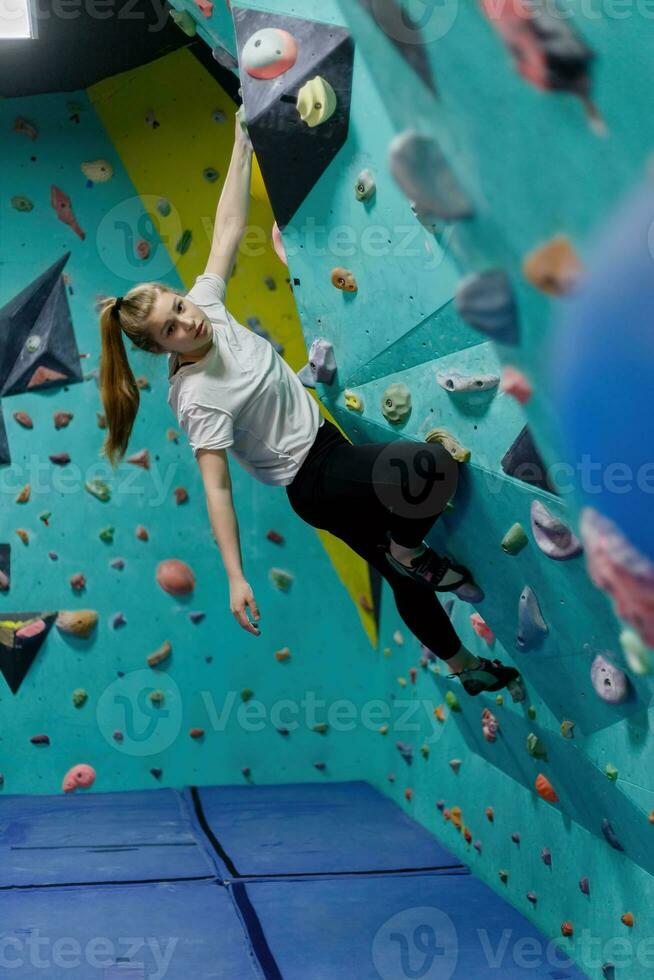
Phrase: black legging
pixel 363 493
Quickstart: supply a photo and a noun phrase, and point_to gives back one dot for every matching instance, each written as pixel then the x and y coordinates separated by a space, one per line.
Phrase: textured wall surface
pixel 212 661
pixel 533 164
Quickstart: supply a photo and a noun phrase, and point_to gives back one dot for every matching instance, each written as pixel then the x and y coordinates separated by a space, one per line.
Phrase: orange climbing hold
pixel 567 929
pixel 408 794
pixel 456 816
pixel 439 712
pixel 490 813
pixel 554 267
pixel 344 279
pixel 545 789
pixel 627 919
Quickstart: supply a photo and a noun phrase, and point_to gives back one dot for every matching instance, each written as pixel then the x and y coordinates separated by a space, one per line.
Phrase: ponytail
pixel 118 389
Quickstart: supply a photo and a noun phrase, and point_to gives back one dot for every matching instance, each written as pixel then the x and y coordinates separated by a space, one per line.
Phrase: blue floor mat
pixel 391 927
pixel 135 836
pixel 316 829
pixel 183 930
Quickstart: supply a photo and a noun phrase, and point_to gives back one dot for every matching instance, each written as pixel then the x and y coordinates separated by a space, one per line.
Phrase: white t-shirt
pixel 242 395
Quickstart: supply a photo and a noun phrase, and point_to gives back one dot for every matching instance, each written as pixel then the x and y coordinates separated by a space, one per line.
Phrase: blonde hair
pixel 118 389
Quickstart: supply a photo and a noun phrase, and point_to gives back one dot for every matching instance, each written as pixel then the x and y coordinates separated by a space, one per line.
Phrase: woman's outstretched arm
pixel 232 212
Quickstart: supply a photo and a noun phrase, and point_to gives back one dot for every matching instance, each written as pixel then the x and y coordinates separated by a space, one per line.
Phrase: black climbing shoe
pixel 489 675
pixel 431 570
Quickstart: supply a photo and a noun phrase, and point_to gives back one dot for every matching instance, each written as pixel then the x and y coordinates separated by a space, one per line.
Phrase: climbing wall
pixel 438 190
pixel 99 665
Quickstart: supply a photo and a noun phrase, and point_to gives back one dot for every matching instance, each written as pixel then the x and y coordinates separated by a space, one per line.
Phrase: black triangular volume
pixel 523 461
pixel 293 156
pixel 399 26
pixel 376 582
pixel 17 653
pixel 41 310
pixel 5 457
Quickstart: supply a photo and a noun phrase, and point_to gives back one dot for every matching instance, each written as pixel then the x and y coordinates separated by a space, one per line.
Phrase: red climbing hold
pixel 275 537
pixel 62 205
pixel 567 929
pixel 490 813
pixel 23 419
pixel 627 919
pixel 196 732
pixel 408 794
pixel 181 496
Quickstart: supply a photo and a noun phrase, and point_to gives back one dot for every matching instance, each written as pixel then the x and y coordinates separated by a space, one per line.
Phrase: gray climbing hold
pixel 365 186
pixel 553 537
pixel 485 300
pixel 396 402
pixel 224 57
pixel 305 375
pixel 610 683
pixel 611 835
pixel 419 167
pixel 465 383
pixel 322 361
pixel 523 461
pixel 546 856
pixel 532 628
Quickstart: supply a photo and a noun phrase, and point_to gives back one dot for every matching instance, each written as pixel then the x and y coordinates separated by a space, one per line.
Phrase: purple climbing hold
pixel 477 846
pixel 608 970
pixel 117 620
pixel 157 773
pixel 470 592
pixel 611 836
pixel 553 537
pixel 515 838
pixel 584 885
pixel 322 361
pixel 486 302
pixel 532 628
pixel 422 172
pixel 610 683
pixel 406 751
pixel 546 856
pixel 532 897
pixel 196 617
pixel 118 563
pixel 320 766
pixel 440 805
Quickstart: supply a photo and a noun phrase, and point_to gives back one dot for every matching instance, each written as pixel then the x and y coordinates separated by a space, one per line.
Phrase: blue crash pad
pixel 68 839
pixel 312 828
pixel 179 929
pixel 432 926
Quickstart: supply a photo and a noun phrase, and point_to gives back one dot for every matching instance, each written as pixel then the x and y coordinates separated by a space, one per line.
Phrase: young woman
pixel 230 389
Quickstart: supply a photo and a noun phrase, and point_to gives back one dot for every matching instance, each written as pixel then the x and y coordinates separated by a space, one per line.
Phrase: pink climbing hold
pixel 62 205
pixel 482 629
pixel 24 419
pixel 142 533
pixel 81 776
pixel 269 53
pixel 489 725
pixel 206 7
pixel 618 568
pixel 141 458
pixel 515 383
pixel 279 244
pixel 77 582
pixel 175 577
pixel 31 629
pixel 142 248
pixel 61 419
pixel 45 375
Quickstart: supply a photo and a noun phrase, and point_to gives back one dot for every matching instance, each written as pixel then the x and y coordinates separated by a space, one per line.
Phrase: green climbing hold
pixel 98 488
pixel 535 747
pixel 21 203
pixel 321 727
pixel 638 657
pixel 45 516
pixel 183 242
pixel 107 534
pixel 504 876
pixel 79 697
pixel 531 711
pixel 246 694
pixel 499 699
pixel 611 772
pixel 514 540
pixel 567 729
pixel 452 701
pixel 185 22
pixel 157 697
pixel 281 579
pixel 210 174
pixel 424 751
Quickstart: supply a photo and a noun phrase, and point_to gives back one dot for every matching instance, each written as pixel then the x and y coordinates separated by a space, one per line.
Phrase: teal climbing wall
pixel 534 166
pixel 333 670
